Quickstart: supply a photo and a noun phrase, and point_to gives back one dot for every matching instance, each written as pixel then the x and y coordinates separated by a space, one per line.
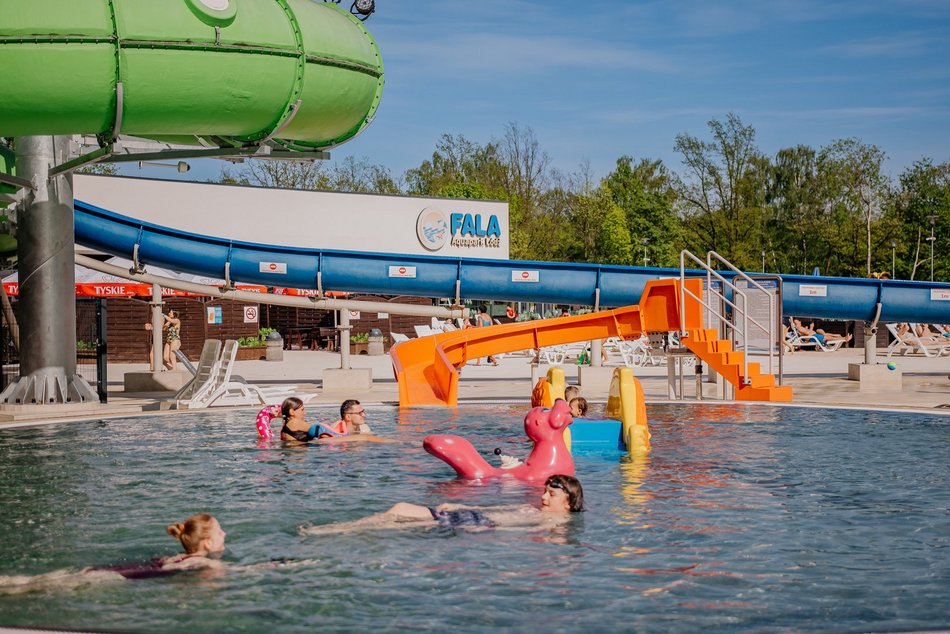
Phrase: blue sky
pixel 597 80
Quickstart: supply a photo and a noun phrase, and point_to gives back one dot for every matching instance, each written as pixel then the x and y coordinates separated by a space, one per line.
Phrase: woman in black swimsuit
pixel 200 535
pixel 562 496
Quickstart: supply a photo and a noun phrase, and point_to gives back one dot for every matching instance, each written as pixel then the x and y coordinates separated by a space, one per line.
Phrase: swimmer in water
pixel 200 535
pixel 562 496
pixel 351 427
pixel 578 407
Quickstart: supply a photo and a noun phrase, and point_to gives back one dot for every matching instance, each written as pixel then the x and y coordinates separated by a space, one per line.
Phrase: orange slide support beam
pixel 427 368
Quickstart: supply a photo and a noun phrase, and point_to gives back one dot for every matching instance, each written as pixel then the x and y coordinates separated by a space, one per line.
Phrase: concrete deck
pixel 818 378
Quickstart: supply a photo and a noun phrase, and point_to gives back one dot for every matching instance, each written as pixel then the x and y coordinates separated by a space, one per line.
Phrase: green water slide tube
pixel 296 74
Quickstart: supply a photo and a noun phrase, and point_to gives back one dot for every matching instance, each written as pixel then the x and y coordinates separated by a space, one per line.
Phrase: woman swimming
pixel 200 535
pixel 562 496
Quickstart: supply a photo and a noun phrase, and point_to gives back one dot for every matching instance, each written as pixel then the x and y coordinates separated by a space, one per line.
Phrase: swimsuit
pixel 173 334
pixel 315 431
pixel 300 436
pixel 142 570
pixel 462 518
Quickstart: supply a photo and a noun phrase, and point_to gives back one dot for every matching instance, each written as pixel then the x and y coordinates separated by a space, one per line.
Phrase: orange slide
pixel 427 368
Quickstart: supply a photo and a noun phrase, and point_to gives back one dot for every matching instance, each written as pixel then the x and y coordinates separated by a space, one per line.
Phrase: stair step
pixel 720 345
pixel 721 356
pixel 761 380
pixel 775 394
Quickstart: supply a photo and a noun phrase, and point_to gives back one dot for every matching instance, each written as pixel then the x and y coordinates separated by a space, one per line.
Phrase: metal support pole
pixel 932 239
pixel 158 321
pixel 47 280
pixel 699 380
pixel 344 339
pixel 596 346
pixel 102 350
pixel 870 337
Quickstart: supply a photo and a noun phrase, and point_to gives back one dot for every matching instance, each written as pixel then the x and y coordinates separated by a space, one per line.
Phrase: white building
pixel 308 219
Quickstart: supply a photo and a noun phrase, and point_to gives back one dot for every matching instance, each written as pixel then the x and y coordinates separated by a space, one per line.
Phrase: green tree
pixel 103 169
pixel 855 193
pixel 924 196
pixel 361 176
pixel 468 191
pixel 793 223
pixel 646 194
pixel 457 160
pixel 722 194
pixel 614 245
pixel 303 175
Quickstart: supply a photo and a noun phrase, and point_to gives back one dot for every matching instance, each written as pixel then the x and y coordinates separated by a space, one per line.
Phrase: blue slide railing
pixel 500 280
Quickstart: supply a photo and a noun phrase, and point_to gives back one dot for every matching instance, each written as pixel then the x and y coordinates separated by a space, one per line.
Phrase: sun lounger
pixel 425 331
pixel 203 382
pixel 798 340
pixel 216 385
pixel 909 342
pixel 185 361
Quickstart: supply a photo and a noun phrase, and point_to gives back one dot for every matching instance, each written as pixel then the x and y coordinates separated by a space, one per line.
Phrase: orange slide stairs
pixel 718 353
pixel 427 368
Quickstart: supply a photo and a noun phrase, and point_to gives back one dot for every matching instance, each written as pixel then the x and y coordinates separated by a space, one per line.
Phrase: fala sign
pixel 465 230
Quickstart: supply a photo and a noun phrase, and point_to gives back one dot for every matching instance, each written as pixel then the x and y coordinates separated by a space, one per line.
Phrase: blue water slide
pixel 501 280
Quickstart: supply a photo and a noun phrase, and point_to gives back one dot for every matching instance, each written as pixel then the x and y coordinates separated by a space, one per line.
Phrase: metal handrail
pixel 769 331
pixel 737 309
pixel 710 273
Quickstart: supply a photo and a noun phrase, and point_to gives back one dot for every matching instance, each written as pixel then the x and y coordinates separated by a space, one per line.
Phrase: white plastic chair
pixel 206 372
pixel 425 331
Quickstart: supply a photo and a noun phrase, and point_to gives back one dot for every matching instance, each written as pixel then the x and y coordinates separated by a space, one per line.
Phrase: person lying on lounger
pixel 818 333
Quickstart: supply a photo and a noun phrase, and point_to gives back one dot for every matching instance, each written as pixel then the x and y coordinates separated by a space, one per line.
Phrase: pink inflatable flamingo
pixel 549 456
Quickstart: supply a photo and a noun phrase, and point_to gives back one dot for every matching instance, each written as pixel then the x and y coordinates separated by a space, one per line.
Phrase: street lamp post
pixel 763 261
pixel 893 258
pixel 645 241
pixel 931 240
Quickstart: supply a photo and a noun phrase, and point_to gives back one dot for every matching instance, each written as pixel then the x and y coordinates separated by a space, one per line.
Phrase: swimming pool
pixel 741 518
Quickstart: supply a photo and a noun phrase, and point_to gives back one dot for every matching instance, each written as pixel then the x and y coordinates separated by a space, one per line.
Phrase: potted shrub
pixel 86 350
pixel 253 348
pixel 359 343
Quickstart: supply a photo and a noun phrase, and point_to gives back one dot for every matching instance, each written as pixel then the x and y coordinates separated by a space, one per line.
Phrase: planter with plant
pixel 359 343
pixel 253 348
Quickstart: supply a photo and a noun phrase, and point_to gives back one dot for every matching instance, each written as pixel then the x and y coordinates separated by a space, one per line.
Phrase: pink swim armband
pixel 264 418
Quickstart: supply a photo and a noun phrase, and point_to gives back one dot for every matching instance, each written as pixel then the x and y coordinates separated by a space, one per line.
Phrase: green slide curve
pixel 302 75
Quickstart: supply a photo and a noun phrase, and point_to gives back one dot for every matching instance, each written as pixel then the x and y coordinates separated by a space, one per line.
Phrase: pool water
pixel 746 518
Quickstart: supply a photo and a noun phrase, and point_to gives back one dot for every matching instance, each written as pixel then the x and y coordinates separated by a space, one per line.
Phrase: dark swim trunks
pixel 462 518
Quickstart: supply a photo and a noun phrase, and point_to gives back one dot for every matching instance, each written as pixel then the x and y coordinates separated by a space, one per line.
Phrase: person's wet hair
pixel 581 403
pixel 290 404
pixel 192 531
pixel 347 404
pixel 571 486
pixel 571 392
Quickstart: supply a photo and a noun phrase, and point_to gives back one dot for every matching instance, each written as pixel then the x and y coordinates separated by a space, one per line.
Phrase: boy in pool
pixel 562 496
pixel 578 407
